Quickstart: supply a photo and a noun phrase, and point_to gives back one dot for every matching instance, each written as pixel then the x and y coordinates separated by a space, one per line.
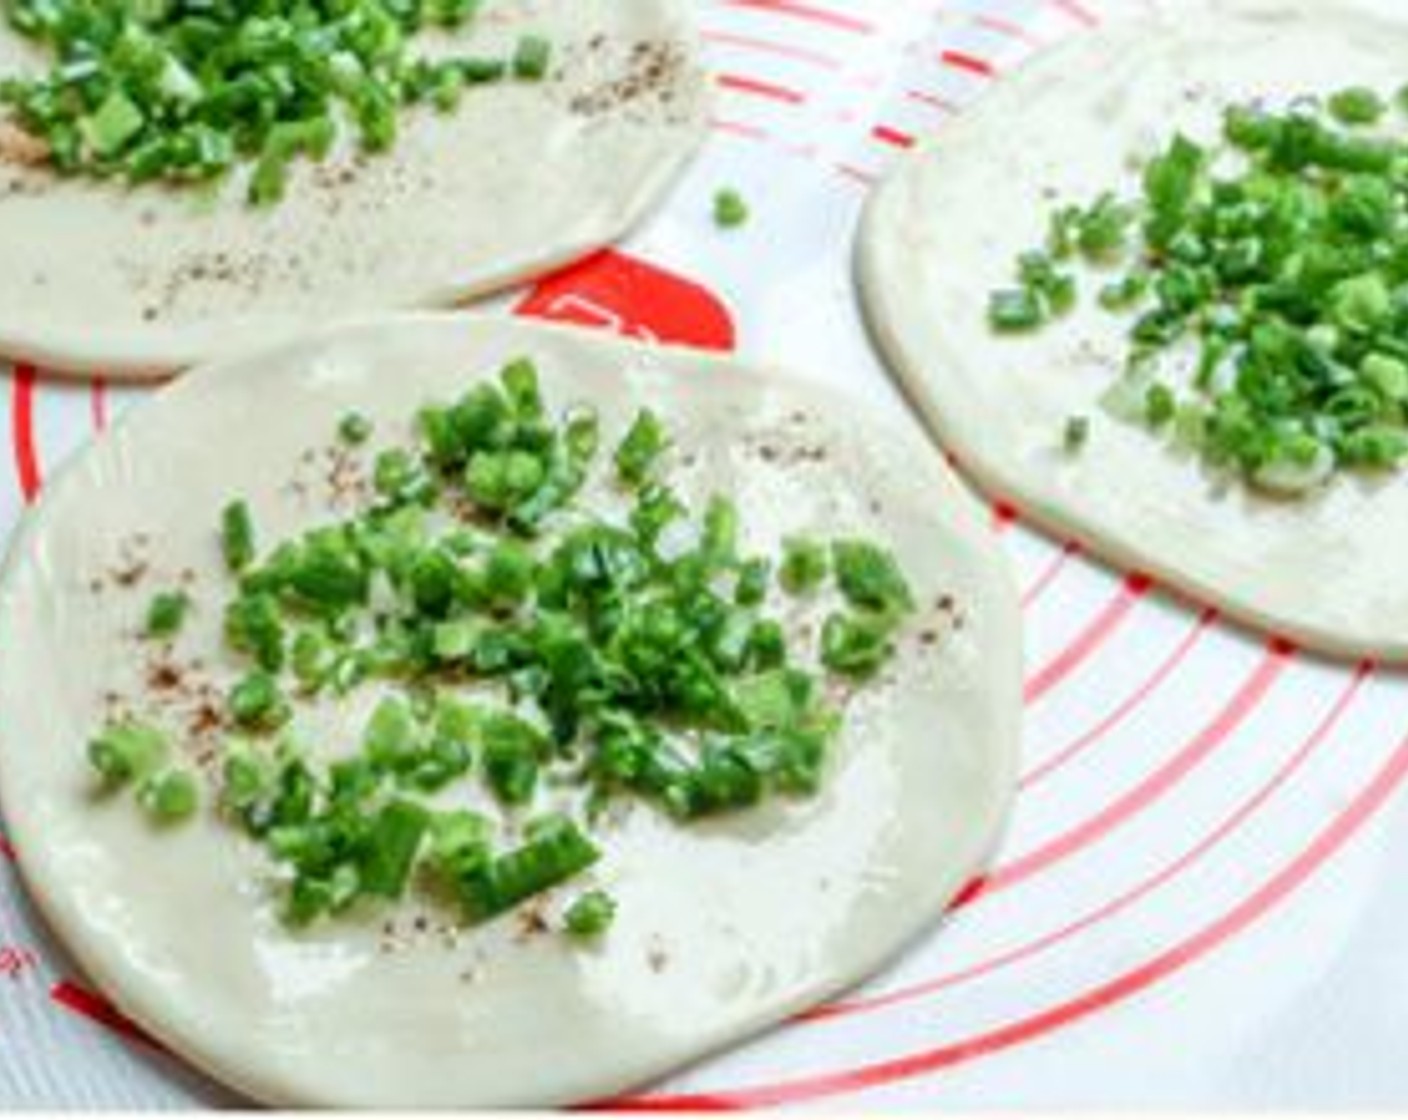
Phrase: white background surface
pixel 1199 906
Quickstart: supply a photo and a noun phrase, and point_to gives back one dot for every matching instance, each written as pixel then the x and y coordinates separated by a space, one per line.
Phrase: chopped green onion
pixel 166 612
pixel 392 844
pixel 1077 433
pixel 112 127
pixel 642 448
pixel 557 850
pixel 806 565
pixel 257 703
pixel 125 752
pixel 171 797
pixel 870 577
pixel 1357 106
pixel 590 915
pixel 730 209
pixel 856 645
pixel 237 536
pixel 1015 310
pixel 532 57
pixel 354 429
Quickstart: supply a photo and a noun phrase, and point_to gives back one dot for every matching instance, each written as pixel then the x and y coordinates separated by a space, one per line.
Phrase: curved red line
pixel 1043 582
pixel 1077 12
pixel 99 405
pixel 739 128
pixel 1134 588
pixel 1325 845
pixel 1229 825
pixel 857 174
pixel 93 1006
pixel 1133 701
pixel 1007 28
pixel 892 136
pixel 22 433
pixel 768 46
pixel 971 64
pixel 810 12
pixel 1131 804
pixel 758 88
pixel 933 100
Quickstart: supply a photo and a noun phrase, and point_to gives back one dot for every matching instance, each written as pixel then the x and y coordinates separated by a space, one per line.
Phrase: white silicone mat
pixel 1197 904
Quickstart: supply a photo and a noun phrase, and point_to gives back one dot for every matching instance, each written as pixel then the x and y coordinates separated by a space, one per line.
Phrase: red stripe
pixel 99 404
pixel 1134 588
pixel 1044 581
pixel 1004 516
pixel 22 432
pixel 1008 28
pixel 772 92
pixel 810 12
pixel 1133 701
pixel 858 174
pixel 1076 11
pixel 738 128
pixel 93 1006
pixel 960 60
pixel 943 104
pixel 1168 963
pixel 1228 826
pixel 6 848
pixel 892 136
pixel 767 46
pixel 1233 715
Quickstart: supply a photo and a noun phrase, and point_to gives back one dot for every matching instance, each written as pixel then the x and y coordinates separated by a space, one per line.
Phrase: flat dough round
pixel 947 229
pixel 524 177
pixel 723 929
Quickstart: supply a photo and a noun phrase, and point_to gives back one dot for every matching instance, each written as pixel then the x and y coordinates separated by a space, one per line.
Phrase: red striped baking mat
pixel 1195 905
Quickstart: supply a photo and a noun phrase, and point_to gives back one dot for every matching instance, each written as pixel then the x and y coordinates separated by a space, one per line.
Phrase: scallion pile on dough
pixel 1263 275
pixel 180 93
pixel 546 661
pixel 178 178
pixel 1151 291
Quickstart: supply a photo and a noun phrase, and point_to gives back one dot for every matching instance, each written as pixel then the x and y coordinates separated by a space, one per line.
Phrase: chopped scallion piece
pixel 170 797
pixel 354 429
pixel 166 613
pixel 591 915
pixel 237 535
pixel 642 448
pixel 532 57
pixel 730 209
pixel 125 752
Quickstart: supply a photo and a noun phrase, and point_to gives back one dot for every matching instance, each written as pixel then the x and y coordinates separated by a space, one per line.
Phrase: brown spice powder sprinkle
pixel 652 73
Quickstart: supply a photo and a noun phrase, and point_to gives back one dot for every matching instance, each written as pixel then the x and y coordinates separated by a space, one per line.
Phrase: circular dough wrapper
pixel 723 929
pixel 947 228
pixel 522 178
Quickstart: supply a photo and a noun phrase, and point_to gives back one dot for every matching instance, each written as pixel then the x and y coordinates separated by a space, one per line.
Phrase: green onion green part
pixel 166 612
pixel 591 915
pixel 730 209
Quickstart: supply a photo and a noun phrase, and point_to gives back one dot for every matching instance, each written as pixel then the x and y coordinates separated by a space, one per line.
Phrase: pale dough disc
pixel 723 929
pixel 522 178
pixel 946 230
